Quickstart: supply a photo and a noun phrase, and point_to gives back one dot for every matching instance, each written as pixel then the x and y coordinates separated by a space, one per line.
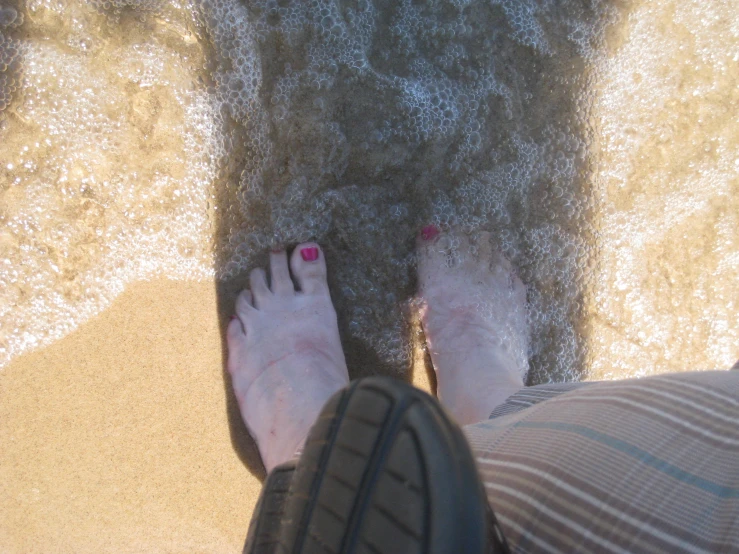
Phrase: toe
pixel 431 256
pixel 280 280
pixel 499 260
pixel 259 289
pixel 519 290
pixel 309 268
pixel 244 304
pixel 484 246
pixel 236 340
pixel 234 336
pixel 429 233
pixel 463 252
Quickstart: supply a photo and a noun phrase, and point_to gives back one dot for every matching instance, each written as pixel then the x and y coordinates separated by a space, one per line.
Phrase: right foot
pixel 473 312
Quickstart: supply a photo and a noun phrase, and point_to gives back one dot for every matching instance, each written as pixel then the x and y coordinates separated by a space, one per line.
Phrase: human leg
pixel 647 465
pixel 644 465
pixel 473 312
pixel 285 352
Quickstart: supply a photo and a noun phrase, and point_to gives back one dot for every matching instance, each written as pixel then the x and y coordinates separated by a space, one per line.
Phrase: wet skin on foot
pixel 285 356
pixel 473 314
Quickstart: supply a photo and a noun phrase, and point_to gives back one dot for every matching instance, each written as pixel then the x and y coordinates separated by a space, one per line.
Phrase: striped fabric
pixel 643 465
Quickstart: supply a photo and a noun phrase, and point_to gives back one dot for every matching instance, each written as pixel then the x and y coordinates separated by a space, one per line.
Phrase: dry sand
pixel 117 438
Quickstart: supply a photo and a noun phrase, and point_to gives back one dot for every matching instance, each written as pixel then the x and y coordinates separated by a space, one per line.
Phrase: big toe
pixel 430 253
pixel 308 266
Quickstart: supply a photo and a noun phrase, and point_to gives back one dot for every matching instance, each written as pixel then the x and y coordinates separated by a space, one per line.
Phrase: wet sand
pixel 117 437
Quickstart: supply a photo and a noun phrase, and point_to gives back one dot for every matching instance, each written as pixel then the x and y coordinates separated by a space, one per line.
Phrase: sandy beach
pixel 117 438
pixel 598 148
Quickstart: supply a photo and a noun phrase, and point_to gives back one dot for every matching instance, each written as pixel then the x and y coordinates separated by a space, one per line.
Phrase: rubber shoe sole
pixel 384 470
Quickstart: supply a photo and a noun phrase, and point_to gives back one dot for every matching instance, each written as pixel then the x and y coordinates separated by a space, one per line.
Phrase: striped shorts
pixel 642 465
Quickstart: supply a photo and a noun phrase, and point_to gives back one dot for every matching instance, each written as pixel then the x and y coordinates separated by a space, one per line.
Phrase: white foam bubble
pixel 106 175
pixel 355 124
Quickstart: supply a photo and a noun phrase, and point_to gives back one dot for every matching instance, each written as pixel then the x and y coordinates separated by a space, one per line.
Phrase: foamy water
pixel 665 298
pixel 599 145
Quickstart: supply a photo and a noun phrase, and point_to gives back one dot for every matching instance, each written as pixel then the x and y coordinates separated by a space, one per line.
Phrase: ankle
pixel 472 386
pixel 476 403
pixel 489 366
pixel 278 452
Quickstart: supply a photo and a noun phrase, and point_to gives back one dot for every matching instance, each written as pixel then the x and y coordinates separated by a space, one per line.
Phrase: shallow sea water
pixel 597 141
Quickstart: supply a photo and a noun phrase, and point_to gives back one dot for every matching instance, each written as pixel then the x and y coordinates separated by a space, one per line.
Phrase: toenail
pixel 232 317
pixel 429 232
pixel 276 250
pixel 310 254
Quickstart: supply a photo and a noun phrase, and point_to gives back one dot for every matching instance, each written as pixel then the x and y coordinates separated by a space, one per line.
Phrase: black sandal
pixel 384 470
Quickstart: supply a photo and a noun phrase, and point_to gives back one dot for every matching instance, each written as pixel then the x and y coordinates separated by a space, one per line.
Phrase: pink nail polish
pixel 429 232
pixel 309 254
pixel 232 317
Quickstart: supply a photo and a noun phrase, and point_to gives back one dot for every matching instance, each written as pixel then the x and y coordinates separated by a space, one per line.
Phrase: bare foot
pixel 473 312
pixel 284 352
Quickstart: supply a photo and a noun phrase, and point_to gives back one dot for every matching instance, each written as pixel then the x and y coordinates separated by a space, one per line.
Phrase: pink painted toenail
pixel 309 254
pixel 429 232
pixel 232 317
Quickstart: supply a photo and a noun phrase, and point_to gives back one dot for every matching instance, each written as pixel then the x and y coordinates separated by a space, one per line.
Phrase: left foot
pixel 284 352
